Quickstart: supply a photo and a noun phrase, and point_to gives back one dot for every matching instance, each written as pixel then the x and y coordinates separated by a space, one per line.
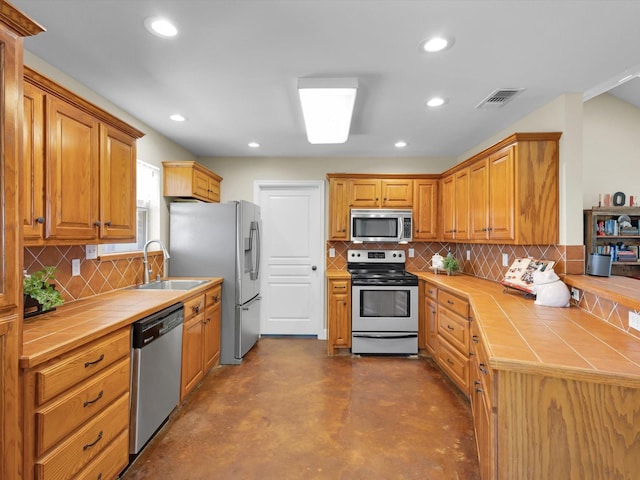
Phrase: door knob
pixel 314 268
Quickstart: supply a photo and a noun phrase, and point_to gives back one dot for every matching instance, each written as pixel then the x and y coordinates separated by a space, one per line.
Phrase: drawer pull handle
pixel 450 327
pixel 89 445
pixel 483 369
pixel 216 299
pixel 449 302
pixel 449 361
pixel 99 476
pixel 89 402
pixel 195 308
pixel 87 364
pixel 341 287
pixel 475 339
pixel 478 390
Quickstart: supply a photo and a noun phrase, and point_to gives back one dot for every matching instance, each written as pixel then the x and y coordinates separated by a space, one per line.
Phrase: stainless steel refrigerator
pixel 222 240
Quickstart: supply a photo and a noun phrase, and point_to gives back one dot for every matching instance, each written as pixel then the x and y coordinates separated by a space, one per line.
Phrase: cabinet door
pixel 339 209
pixel 192 355
pixel 72 173
pixel 339 315
pixel 365 192
pixel 448 207
pixel 425 208
pixel 431 312
pixel 501 195
pixel 211 339
pixel 397 193
pixel 479 200
pixel 117 185
pixel 214 190
pixel 33 164
pixel 200 184
pixel 462 205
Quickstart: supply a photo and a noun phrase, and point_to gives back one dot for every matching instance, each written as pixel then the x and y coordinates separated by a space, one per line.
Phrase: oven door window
pixel 385 303
pixel 375 227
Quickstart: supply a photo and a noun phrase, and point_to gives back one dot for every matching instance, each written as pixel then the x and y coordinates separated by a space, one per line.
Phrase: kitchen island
pixel 555 392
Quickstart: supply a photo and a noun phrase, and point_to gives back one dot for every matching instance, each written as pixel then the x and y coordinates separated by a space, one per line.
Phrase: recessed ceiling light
pixel 436 44
pixel 160 27
pixel 436 101
pixel 176 117
pixel 254 144
pixel 400 144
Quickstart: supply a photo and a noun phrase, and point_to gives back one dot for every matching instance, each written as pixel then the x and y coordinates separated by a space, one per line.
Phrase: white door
pixel 292 257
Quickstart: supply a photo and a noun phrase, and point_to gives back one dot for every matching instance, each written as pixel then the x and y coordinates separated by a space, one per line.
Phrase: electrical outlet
pixel 412 253
pixel 575 294
pixel 332 252
pixel 634 320
pixel 91 252
pixel 505 259
pixel 468 254
pixel 75 267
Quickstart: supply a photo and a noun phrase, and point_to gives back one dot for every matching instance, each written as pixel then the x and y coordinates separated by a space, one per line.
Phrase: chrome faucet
pixel 145 259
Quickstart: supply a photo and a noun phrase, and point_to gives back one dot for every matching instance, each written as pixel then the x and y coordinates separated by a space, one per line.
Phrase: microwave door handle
pixel 401 233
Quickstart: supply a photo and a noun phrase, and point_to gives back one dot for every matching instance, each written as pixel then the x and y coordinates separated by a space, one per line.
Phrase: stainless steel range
pixel 384 303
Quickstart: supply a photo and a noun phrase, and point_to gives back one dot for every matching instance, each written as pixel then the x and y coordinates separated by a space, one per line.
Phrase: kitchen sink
pixel 171 285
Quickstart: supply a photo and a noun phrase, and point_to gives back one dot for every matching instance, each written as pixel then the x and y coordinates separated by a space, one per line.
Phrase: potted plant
pixel 450 264
pixel 39 292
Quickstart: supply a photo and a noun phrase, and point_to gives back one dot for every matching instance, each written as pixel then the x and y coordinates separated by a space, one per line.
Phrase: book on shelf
pixel 520 273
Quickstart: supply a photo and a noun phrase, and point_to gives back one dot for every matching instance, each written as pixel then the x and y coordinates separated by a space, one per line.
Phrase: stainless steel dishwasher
pixel 155 373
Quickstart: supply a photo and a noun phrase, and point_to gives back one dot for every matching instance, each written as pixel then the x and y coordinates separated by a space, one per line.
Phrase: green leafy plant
pixel 450 264
pixel 38 286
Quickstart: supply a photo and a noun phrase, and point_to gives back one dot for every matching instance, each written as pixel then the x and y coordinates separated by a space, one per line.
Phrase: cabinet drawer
pixel 111 461
pixel 431 290
pixel 78 366
pixel 193 307
pixel 339 286
pixel 213 296
pixel 455 329
pixel 58 419
pixel 454 364
pixel 454 303
pixel 72 455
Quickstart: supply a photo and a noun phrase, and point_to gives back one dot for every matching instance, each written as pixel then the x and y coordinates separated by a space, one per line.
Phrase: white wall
pixel 611 148
pixel 239 173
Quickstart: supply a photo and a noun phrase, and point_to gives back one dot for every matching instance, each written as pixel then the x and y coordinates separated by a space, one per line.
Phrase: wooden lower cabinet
pixel 339 315
pixel 76 412
pixel 200 337
pixel 453 326
pixel 428 326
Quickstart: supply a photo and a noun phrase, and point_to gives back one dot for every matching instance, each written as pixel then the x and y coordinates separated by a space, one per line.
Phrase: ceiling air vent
pixel 499 97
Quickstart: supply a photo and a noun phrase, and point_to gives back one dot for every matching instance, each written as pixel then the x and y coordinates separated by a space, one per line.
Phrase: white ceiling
pixel 233 68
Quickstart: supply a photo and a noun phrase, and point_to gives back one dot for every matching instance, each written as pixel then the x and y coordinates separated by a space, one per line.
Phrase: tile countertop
pixel 556 342
pixel 51 334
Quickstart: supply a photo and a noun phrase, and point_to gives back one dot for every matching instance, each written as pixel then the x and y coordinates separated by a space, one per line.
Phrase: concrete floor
pixel 291 412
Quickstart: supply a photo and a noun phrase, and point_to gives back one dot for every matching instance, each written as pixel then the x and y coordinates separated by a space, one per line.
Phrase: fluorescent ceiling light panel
pixel 327 107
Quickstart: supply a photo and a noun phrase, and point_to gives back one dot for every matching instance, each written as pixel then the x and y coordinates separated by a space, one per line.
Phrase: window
pixel 148 209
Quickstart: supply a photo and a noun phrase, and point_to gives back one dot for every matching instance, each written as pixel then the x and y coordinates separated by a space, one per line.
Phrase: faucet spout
pixel 145 256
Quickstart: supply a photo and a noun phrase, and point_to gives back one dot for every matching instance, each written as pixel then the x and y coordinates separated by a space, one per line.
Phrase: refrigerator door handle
pixel 254 241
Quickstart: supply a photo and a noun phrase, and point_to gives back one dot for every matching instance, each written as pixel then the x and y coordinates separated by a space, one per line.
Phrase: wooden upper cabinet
pixel 339 209
pixel 33 163
pixel 501 195
pixel 425 208
pixel 479 200
pixel 513 192
pixel 117 185
pixel 189 179
pixel 381 193
pixel 79 182
pixel 448 195
pixel 72 170
pixel 462 205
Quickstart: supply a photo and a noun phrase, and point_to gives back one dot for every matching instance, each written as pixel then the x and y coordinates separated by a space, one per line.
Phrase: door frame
pixel 320 186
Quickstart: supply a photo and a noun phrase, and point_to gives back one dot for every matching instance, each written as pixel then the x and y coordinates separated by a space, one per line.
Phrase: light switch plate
pixel 575 294
pixel 91 252
pixel 505 259
pixel 75 267
pixel 468 254
pixel 634 320
pixel 332 252
pixel 412 253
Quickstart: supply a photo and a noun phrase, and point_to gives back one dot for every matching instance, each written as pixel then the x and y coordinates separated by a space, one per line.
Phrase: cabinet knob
pixel 97 223
pixel 40 220
pixel 107 224
pixel 314 267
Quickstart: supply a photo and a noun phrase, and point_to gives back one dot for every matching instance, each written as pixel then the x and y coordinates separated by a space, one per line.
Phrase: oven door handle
pixel 384 336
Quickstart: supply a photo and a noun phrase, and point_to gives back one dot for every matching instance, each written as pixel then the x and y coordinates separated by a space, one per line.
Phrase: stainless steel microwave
pixel 381 225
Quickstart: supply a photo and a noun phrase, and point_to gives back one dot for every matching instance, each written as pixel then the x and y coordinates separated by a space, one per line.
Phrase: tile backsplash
pixel 485 260
pixel 102 275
